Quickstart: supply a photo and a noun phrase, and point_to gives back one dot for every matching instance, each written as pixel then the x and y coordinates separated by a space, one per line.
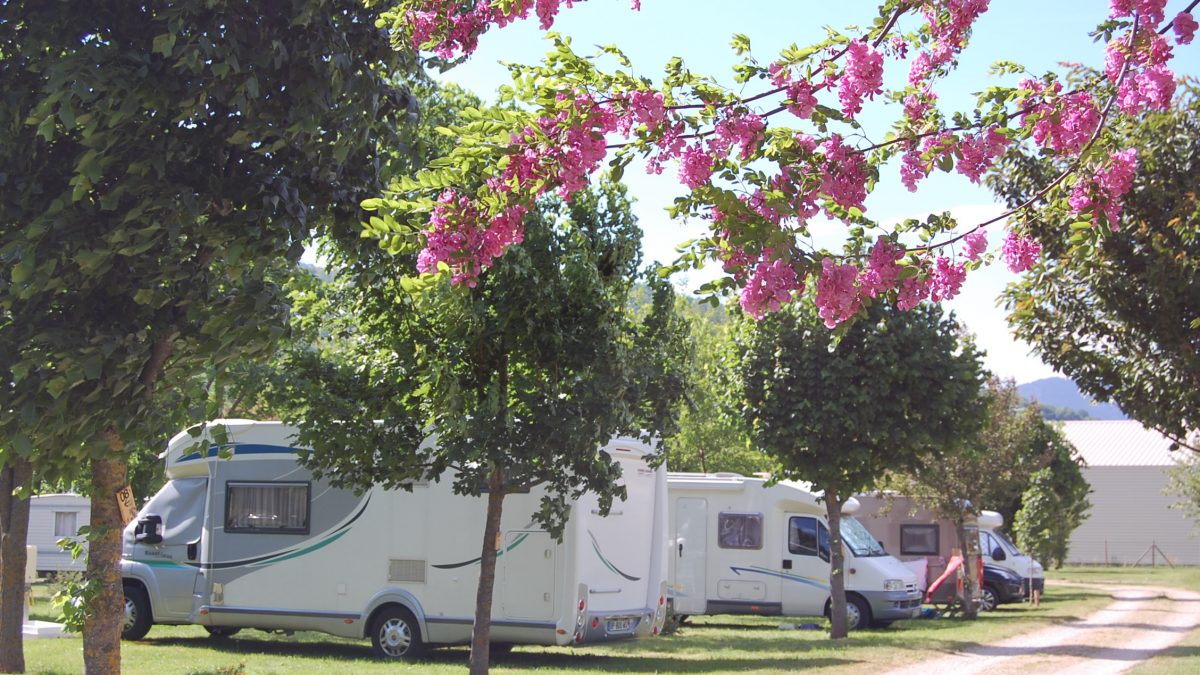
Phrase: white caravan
pixel 999 551
pixel 53 518
pixel 256 541
pixel 741 547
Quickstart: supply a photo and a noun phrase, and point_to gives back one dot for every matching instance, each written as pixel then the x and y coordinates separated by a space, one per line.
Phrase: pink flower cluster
pixel 837 295
pixel 1151 11
pixel 1063 123
pixel 919 160
pixel 949 23
pixel 1184 25
pixel 863 77
pixel 975 243
pixel 845 173
pixel 770 284
pixel 467 249
pixel 1020 252
pixel 977 152
pixel 1147 82
pixel 1103 193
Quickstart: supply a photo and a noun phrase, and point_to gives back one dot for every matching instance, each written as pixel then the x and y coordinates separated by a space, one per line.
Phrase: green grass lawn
pixel 709 645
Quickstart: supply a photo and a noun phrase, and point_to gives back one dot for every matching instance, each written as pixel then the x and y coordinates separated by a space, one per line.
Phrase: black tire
pixel 989 599
pixel 396 635
pixel 858 613
pixel 221 632
pixel 138 618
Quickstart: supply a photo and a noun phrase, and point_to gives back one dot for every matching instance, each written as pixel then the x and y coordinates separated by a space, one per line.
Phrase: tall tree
pixel 1183 481
pixel 156 159
pixel 520 377
pixel 841 410
pixel 1117 309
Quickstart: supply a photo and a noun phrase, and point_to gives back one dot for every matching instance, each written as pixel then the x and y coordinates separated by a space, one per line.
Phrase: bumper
pixel 1010 592
pixel 893 605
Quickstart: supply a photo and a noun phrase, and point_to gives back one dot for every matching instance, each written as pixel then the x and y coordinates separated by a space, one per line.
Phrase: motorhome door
pixel 176 516
pixel 805 565
pixel 691 545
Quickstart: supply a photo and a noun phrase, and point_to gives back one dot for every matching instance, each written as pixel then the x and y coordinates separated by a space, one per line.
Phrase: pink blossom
pixel 1138 61
pixel 916 105
pixel 772 284
pixel 845 173
pixel 882 273
pixel 458 237
pixel 918 161
pixel 745 130
pixel 641 108
pixel 1184 26
pixel 1063 123
pixel 976 243
pixel 978 152
pixel 801 101
pixel 946 279
pixel 1152 11
pixel 837 297
pixel 695 166
pixel 919 71
pixel 1103 192
pixel 862 78
pixel 1020 252
pixel 912 292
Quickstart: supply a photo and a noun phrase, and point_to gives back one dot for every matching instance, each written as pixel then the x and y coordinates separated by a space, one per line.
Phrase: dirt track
pixel 1140 622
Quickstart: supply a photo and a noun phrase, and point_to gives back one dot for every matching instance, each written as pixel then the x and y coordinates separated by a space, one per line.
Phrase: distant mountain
pixel 1060 393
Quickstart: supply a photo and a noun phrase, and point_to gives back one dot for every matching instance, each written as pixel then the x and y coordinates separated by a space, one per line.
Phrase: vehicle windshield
pixel 1007 543
pixel 859 541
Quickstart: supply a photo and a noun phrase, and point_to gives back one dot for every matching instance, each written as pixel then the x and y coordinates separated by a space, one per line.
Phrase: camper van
pixel 52 518
pixel 742 547
pixel 243 536
pixel 919 538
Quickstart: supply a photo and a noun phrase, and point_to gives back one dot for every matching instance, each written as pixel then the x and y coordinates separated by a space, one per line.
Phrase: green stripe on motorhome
pixel 304 551
pixel 609 565
pixel 472 561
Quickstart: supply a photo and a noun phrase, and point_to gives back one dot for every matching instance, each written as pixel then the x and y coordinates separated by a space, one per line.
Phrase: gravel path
pixel 1140 622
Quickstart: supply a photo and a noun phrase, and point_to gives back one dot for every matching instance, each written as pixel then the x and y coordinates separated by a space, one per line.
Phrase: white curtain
pixel 267 506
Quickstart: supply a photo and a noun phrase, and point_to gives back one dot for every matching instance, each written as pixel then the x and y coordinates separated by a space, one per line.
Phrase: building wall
pixel 1129 514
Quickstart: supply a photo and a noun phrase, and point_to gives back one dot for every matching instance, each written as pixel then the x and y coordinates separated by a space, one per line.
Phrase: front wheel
pixel 395 634
pixel 137 620
pixel 858 614
pixel 988 599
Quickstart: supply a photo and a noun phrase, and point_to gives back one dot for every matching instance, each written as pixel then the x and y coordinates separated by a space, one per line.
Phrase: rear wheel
pixel 221 632
pixel 988 599
pixel 137 620
pixel 395 634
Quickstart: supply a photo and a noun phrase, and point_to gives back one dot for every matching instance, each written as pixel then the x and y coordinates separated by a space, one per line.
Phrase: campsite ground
pixel 724 643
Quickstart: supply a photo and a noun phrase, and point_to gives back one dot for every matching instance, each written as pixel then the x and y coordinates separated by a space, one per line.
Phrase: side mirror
pixel 149 529
pixel 998 554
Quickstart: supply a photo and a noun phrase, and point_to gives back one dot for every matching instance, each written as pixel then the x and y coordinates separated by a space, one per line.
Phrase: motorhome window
pixel 66 523
pixel 822 542
pixel 919 540
pixel 861 543
pixel 271 508
pixel 802 536
pixel 1006 542
pixel 739 530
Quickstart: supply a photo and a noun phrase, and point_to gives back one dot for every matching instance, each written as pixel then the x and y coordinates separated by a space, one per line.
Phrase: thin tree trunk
pixel 102 626
pixel 837 567
pixel 970 570
pixel 481 632
pixel 14 526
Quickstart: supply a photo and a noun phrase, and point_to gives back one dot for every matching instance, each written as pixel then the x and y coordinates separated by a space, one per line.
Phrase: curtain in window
pixel 267 507
pixel 66 523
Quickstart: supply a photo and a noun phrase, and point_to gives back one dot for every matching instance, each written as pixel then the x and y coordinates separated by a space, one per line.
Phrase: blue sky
pixel 1038 35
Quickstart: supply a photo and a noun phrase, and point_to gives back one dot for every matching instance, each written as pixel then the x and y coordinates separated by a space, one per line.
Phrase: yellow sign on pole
pixel 126 504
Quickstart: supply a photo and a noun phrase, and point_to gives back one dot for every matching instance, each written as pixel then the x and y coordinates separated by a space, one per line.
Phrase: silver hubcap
pixel 988 601
pixel 853 616
pixel 130 614
pixel 395 637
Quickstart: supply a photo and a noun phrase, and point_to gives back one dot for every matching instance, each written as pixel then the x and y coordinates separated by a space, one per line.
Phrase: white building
pixel 1131 520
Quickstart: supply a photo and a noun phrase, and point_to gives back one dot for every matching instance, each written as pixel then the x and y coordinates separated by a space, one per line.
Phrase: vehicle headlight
pixel 1036 569
pixel 893 585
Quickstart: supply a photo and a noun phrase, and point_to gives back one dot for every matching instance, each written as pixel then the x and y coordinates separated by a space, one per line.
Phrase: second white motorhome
pixel 257 541
pixel 742 547
pixel 52 518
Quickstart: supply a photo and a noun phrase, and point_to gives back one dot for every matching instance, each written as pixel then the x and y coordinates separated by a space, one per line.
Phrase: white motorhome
pixel 55 517
pixel 742 547
pixel 254 540
pixel 998 550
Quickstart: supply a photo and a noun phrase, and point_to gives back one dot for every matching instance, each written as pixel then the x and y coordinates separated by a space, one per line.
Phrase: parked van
pixel 742 547
pixel 999 551
pixel 257 541
pixel 52 518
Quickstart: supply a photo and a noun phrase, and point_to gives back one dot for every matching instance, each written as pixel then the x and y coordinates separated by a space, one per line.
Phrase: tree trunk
pixel 102 626
pixel 970 554
pixel 837 576
pixel 481 632
pixel 14 526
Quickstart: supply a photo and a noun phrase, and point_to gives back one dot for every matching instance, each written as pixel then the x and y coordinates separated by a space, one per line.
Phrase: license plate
pixel 618 625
